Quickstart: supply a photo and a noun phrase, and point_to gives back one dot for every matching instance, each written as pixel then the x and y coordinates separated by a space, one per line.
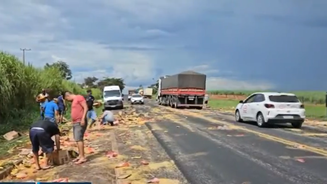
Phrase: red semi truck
pixel 186 89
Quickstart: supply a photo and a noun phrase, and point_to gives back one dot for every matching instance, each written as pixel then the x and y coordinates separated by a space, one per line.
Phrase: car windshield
pixel 136 96
pixel 113 93
pixel 283 98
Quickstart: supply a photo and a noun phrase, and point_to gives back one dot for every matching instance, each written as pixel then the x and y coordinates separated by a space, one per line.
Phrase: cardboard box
pixel 63 157
pixel 11 135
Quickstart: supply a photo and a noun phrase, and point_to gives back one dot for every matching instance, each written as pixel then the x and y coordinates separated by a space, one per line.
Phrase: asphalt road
pixel 210 148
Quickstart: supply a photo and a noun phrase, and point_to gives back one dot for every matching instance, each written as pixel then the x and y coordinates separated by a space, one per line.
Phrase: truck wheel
pixel 172 104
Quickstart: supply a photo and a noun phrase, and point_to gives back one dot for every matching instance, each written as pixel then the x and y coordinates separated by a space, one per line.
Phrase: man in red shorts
pixel 79 111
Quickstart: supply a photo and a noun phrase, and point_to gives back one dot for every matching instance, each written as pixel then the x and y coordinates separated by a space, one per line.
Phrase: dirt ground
pixel 138 156
pixel 98 169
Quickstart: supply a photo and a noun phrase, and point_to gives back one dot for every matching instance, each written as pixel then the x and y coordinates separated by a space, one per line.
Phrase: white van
pixel 112 97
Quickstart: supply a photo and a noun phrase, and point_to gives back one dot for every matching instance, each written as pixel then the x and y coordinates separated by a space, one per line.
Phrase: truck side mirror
pixel 241 101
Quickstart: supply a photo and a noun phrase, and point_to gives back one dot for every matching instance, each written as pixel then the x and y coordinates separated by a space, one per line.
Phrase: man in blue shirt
pixel 50 109
pixel 91 113
pixel 61 108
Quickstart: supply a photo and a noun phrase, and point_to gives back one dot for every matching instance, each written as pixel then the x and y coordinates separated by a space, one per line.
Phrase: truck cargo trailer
pixel 148 92
pixel 186 89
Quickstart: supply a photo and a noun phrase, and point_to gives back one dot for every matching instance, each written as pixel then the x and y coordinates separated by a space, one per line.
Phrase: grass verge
pixel 317 112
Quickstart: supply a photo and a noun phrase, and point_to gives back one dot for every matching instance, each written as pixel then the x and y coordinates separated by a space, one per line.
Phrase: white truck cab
pixel 112 96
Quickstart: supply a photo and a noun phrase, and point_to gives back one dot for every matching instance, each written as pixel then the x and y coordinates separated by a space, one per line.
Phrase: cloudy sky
pixel 253 44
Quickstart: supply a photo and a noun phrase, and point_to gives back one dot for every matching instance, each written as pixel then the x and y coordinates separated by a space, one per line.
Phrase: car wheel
pixel 297 124
pixel 260 120
pixel 237 116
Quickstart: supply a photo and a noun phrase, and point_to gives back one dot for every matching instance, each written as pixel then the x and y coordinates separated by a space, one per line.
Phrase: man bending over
pixel 51 110
pixel 40 136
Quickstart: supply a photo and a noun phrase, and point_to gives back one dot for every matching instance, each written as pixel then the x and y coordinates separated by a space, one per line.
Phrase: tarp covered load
pixel 188 79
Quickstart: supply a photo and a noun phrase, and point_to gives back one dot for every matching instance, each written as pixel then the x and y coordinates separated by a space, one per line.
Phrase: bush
pixel 19 85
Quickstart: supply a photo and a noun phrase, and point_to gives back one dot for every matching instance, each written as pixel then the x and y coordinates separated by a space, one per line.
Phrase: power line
pixel 24 49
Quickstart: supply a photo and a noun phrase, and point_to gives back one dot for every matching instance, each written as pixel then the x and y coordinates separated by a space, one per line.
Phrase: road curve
pixel 210 149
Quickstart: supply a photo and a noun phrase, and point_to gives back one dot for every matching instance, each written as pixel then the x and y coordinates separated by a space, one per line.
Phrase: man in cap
pixel 42 98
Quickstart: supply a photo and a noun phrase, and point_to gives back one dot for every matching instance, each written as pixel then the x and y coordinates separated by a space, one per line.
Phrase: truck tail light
pixel 269 105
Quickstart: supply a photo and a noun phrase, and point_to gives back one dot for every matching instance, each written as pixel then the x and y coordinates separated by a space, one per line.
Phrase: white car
pixel 137 99
pixel 271 107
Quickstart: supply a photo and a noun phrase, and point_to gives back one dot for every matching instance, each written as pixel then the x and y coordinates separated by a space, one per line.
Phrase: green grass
pixel 315 97
pixel 318 112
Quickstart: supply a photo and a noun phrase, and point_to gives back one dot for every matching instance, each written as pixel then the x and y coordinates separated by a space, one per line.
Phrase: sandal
pixel 81 161
pixel 76 159
pixel 47 167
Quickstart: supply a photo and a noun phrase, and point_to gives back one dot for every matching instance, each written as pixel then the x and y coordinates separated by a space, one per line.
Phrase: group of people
pixel 51 108
pixel 52 111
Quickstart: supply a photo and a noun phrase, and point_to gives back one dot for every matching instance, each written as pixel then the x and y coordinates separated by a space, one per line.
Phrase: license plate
pixel 112 106
pixel 288 117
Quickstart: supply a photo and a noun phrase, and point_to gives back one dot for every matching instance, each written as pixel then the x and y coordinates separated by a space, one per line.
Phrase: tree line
pixel 94 82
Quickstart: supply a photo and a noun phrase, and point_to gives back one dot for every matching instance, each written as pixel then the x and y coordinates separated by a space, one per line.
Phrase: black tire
pixel 260 120
pixel 297 124
pixel 237 116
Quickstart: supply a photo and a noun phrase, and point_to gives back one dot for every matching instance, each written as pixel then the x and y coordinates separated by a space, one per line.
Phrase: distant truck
pixel 130 93
pixel 148 93
pixel 186 89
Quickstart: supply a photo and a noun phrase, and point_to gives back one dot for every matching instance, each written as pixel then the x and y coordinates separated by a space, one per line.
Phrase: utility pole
pixel 24 49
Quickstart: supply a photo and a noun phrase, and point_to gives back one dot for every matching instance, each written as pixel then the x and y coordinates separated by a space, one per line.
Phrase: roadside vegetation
pixel 314 101
pixel 20 83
